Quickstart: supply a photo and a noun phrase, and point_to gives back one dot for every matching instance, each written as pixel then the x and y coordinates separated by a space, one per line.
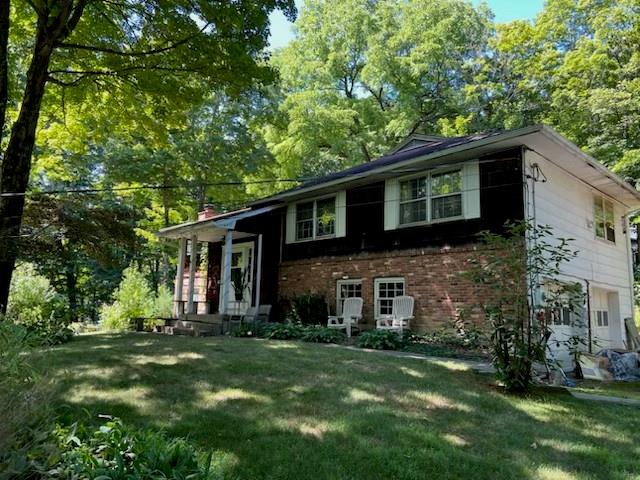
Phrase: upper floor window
pixel 433 197
pixel 316 219
pixel 604 219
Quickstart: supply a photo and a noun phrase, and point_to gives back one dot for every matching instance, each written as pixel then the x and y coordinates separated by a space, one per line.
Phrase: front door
pixel 600 319
pixel 241 288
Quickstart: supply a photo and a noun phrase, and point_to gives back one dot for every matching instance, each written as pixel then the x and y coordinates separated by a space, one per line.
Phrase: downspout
pixel 630 268
pixel 589 332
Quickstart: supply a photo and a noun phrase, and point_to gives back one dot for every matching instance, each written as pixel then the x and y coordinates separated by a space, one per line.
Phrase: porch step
pixel 202 318
pixel 193 329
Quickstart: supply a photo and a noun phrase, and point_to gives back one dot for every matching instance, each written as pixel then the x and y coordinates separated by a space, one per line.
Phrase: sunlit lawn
pixel 272 409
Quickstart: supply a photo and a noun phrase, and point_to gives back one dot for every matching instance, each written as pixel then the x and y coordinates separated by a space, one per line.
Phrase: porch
pixel 219 268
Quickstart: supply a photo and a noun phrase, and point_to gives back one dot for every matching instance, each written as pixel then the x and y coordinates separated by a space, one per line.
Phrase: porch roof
pixel 214 229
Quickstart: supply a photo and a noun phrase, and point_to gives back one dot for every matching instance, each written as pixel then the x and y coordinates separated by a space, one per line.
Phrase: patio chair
pixel 351 314
pixel 264 312
pixel 401 315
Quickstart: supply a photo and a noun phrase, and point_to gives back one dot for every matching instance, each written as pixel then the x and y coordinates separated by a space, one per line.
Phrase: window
pixel 385 290
pixel 604 219
pixel 316 219
pixel 325 217
pixel 347 289
pixel 602 318
pixel 560 316
pixel 413 200
pixel 435 197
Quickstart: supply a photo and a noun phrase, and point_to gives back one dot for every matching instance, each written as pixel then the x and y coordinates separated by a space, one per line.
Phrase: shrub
pixel 322 334
pixel 284 331
pixel 34 304
pixel 245 331
pixel 513 284
pixel 380 340
pixel 116 451
pixel 308 309
pixel 133 298
pixel 24 399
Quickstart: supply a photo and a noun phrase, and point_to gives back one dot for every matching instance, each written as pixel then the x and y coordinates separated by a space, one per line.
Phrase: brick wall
pixel 432 276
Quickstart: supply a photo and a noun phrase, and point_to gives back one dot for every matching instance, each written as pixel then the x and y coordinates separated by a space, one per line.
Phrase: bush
pixel 115 451
pixel 521 293
pixel 34 304
pixel 321 334
pixel 284 331
pixel 245 331
pixel 133 298
pixel 308 309
pixel 380 340
pixel 24 399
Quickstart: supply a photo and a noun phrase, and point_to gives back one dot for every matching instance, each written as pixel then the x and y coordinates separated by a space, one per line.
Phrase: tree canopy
pixel 159 107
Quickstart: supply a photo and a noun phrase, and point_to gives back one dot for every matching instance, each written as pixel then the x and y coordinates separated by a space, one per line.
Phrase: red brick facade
pixel 432 276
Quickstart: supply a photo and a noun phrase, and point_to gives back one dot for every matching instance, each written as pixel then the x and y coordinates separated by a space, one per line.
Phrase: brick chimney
pixel 208 212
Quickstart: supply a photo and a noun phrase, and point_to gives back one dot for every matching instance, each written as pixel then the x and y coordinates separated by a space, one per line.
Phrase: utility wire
pixel 313 180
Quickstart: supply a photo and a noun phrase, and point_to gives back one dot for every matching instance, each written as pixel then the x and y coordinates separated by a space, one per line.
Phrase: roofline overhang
pixel 387 168
pixel 548 132
pixel 552 135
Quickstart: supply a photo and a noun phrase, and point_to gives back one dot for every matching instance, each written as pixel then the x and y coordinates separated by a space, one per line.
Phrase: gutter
pixel 588 159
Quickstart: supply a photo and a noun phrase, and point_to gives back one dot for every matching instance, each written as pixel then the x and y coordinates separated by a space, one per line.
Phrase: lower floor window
pixel 602 318
pixel 347 289
pixel 561 316
pixel 385 289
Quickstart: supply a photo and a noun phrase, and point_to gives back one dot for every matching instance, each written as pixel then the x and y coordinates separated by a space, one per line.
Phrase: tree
pixel 150 46
pixel 360 75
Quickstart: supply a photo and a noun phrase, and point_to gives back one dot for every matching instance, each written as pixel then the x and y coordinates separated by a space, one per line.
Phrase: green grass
pixel 289 410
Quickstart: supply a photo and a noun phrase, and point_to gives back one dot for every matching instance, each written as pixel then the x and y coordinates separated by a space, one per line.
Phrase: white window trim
pixel 427 199
pixel 339 229
pixel 376 284
pixel 604 200
pixel 470 193
pixel 347 281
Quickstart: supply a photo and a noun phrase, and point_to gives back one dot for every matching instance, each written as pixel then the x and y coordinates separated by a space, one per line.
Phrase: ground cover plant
pixel 280 409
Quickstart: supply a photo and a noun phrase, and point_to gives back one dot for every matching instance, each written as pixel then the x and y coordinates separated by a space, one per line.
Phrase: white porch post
pixel 258 270
pixel 193 258
pixel 177 299
pixel 226 274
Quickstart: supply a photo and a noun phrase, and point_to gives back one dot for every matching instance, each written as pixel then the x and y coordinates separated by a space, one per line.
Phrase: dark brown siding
pixel 501 199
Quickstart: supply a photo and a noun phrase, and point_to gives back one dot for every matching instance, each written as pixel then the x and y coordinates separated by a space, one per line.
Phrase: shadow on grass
pixel 293 410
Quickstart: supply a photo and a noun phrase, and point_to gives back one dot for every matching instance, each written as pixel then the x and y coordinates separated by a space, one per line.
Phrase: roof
pixel 535 137
pixel 386 160
pixel 216 225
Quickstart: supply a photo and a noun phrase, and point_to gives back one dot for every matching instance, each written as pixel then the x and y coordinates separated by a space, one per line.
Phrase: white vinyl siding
pixel 316 218
pixel 435 196
pixel 567 205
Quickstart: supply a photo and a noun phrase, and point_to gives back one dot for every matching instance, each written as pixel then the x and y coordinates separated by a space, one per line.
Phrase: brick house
pixel 407 223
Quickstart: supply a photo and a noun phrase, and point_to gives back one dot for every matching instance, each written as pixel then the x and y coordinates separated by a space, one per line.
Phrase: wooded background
pixel 121 118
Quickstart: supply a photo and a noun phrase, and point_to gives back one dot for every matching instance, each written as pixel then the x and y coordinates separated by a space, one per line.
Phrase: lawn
pixel 288 410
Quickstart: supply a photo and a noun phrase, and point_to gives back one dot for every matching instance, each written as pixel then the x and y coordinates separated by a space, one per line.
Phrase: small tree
pixel 517 276
pixel 133 298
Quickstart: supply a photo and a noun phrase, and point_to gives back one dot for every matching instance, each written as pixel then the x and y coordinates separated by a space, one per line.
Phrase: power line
pixel 334 176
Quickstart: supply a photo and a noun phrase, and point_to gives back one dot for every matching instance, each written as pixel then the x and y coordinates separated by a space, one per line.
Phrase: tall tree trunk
pixel 16 165
pixel 71 279
pixel 4 63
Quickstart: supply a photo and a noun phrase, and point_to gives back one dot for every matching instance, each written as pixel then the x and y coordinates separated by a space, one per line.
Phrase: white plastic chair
pixel 351 314
pixel 401 315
